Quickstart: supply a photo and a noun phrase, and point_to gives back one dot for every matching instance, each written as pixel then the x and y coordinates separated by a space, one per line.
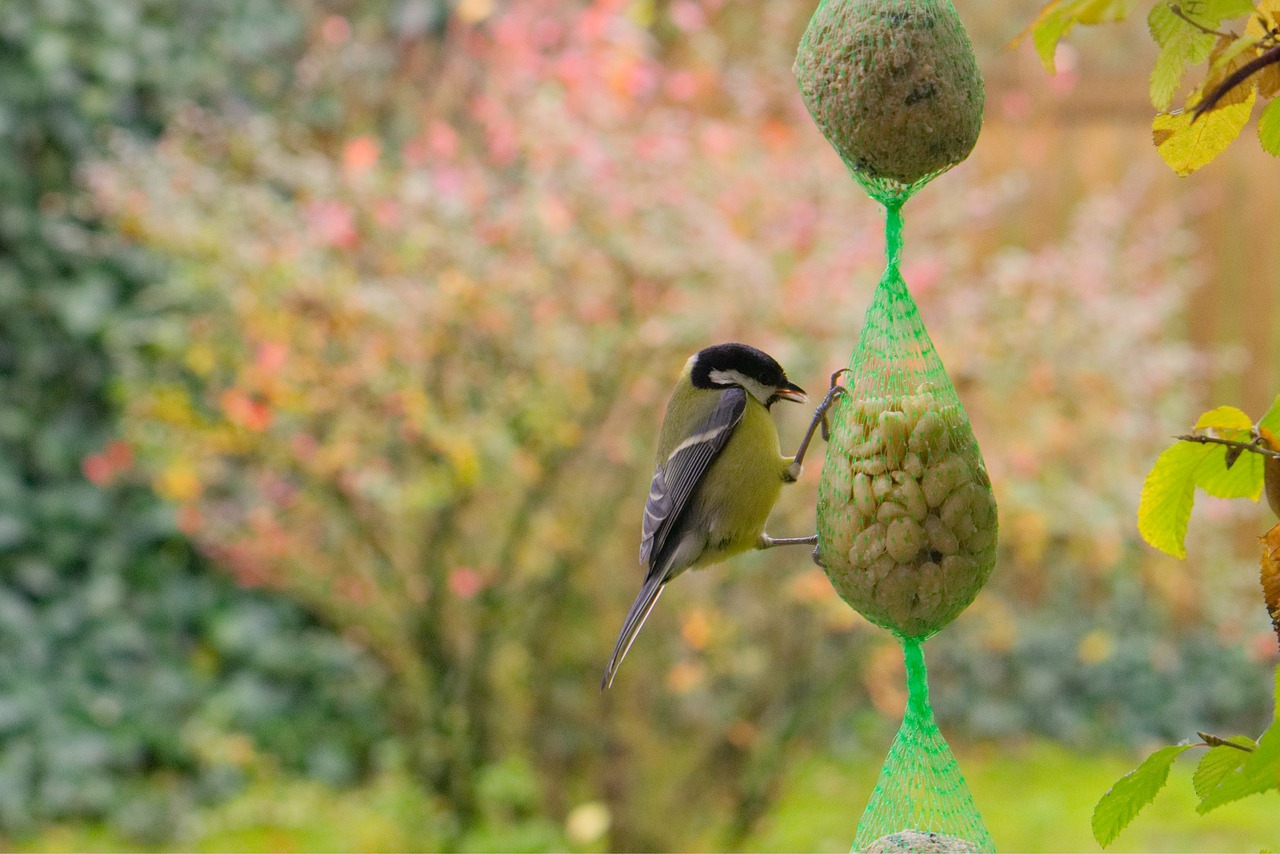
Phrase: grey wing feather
pixel 676 478
pixel 657 508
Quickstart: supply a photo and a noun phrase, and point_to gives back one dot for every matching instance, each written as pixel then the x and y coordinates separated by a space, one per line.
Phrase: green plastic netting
pixel 906 514
pixel 920 787
pixel 907 533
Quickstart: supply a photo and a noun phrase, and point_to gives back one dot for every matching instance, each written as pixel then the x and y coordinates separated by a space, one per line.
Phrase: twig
pixel 1219 741
pixel 1177 10
pixel 1239 446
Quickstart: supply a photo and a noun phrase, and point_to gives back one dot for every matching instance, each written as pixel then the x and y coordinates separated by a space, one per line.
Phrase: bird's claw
pixel 836 390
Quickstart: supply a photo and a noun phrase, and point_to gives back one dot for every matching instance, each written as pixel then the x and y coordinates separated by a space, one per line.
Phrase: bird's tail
pixel 649 593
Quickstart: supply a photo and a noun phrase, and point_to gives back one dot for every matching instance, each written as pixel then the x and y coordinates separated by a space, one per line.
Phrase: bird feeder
pixel 906 514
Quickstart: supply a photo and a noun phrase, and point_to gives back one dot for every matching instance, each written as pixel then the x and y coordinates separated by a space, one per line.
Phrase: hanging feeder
pixel 906 514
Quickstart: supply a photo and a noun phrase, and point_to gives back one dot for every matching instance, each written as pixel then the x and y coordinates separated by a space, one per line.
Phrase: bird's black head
pixel 726 365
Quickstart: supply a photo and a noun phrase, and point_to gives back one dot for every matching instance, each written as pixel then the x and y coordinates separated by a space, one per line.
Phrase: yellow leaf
pixel 463 457
pixel 1101 11
pixel 1096 647
pixel 178 482
pixel 1227 57
pixel 1266 19
pixel 1187 145
pixel 201 359
pixel 1058 17
pixel 1268 16
pixel 1269 81
pixel 1224 418
pixel 171 405
pixel 1271 577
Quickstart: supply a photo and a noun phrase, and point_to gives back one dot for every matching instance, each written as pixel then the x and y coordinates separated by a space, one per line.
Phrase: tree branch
pixel 1218 741
pixel 1237 77
pixel 1238 446
pixel 1177 10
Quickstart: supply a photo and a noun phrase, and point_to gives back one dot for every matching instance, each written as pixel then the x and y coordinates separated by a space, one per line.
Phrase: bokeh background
pixel 333 341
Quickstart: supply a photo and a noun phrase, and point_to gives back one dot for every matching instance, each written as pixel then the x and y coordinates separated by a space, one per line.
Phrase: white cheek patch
pixel 755 388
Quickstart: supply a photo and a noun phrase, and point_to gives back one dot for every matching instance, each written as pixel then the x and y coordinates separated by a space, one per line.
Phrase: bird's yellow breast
pixel 741 487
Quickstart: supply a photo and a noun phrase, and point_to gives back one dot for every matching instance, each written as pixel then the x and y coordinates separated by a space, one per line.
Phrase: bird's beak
pixel 791 391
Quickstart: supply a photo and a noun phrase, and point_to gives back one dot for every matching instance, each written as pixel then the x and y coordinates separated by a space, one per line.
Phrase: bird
pixel 719 469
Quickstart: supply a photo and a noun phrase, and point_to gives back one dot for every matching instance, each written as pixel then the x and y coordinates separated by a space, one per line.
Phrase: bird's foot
pixel 792 473
pixel 768 542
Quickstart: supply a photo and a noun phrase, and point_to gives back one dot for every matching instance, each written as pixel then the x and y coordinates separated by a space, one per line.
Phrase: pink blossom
pixel 333 222
pixel 465 582
pixel 688 16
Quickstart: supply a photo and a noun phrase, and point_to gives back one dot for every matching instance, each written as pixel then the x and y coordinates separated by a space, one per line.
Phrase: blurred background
pixel 334 338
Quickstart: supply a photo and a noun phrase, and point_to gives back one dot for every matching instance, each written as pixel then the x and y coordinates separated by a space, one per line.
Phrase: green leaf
pixel 1259 773
pixel 1214 12
pixel 1275 714
pixel 1218 763
pixel 1049 29
pixel 1167 495
pixel 1165 26
pixel 1057 19
pixel 1186 146
pixel 1132 792
pixel 1169 491
pixel 1181 46
pixel 1242 480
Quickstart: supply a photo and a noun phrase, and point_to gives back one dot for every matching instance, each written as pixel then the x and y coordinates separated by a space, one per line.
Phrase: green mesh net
pixel 907 534
pixel 906 514
pixel 921 797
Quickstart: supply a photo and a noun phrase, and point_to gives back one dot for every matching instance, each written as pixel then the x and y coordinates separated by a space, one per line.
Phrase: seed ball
pixel 919 842
pixel 893 85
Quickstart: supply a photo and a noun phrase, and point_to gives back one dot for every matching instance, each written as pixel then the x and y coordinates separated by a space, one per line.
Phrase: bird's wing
pixel 676 477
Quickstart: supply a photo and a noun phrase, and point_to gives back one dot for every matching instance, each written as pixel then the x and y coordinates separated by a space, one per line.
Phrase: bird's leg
pixel 768 542
pixel 819 420
pixel 797 462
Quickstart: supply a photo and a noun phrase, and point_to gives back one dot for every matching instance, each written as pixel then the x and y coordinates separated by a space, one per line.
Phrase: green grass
pixel 1034 797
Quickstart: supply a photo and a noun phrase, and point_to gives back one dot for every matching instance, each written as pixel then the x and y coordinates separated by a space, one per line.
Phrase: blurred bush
pixel 120 654
pixel 416 331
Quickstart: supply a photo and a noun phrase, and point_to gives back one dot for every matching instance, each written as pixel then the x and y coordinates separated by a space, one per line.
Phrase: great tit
pixel 719 471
